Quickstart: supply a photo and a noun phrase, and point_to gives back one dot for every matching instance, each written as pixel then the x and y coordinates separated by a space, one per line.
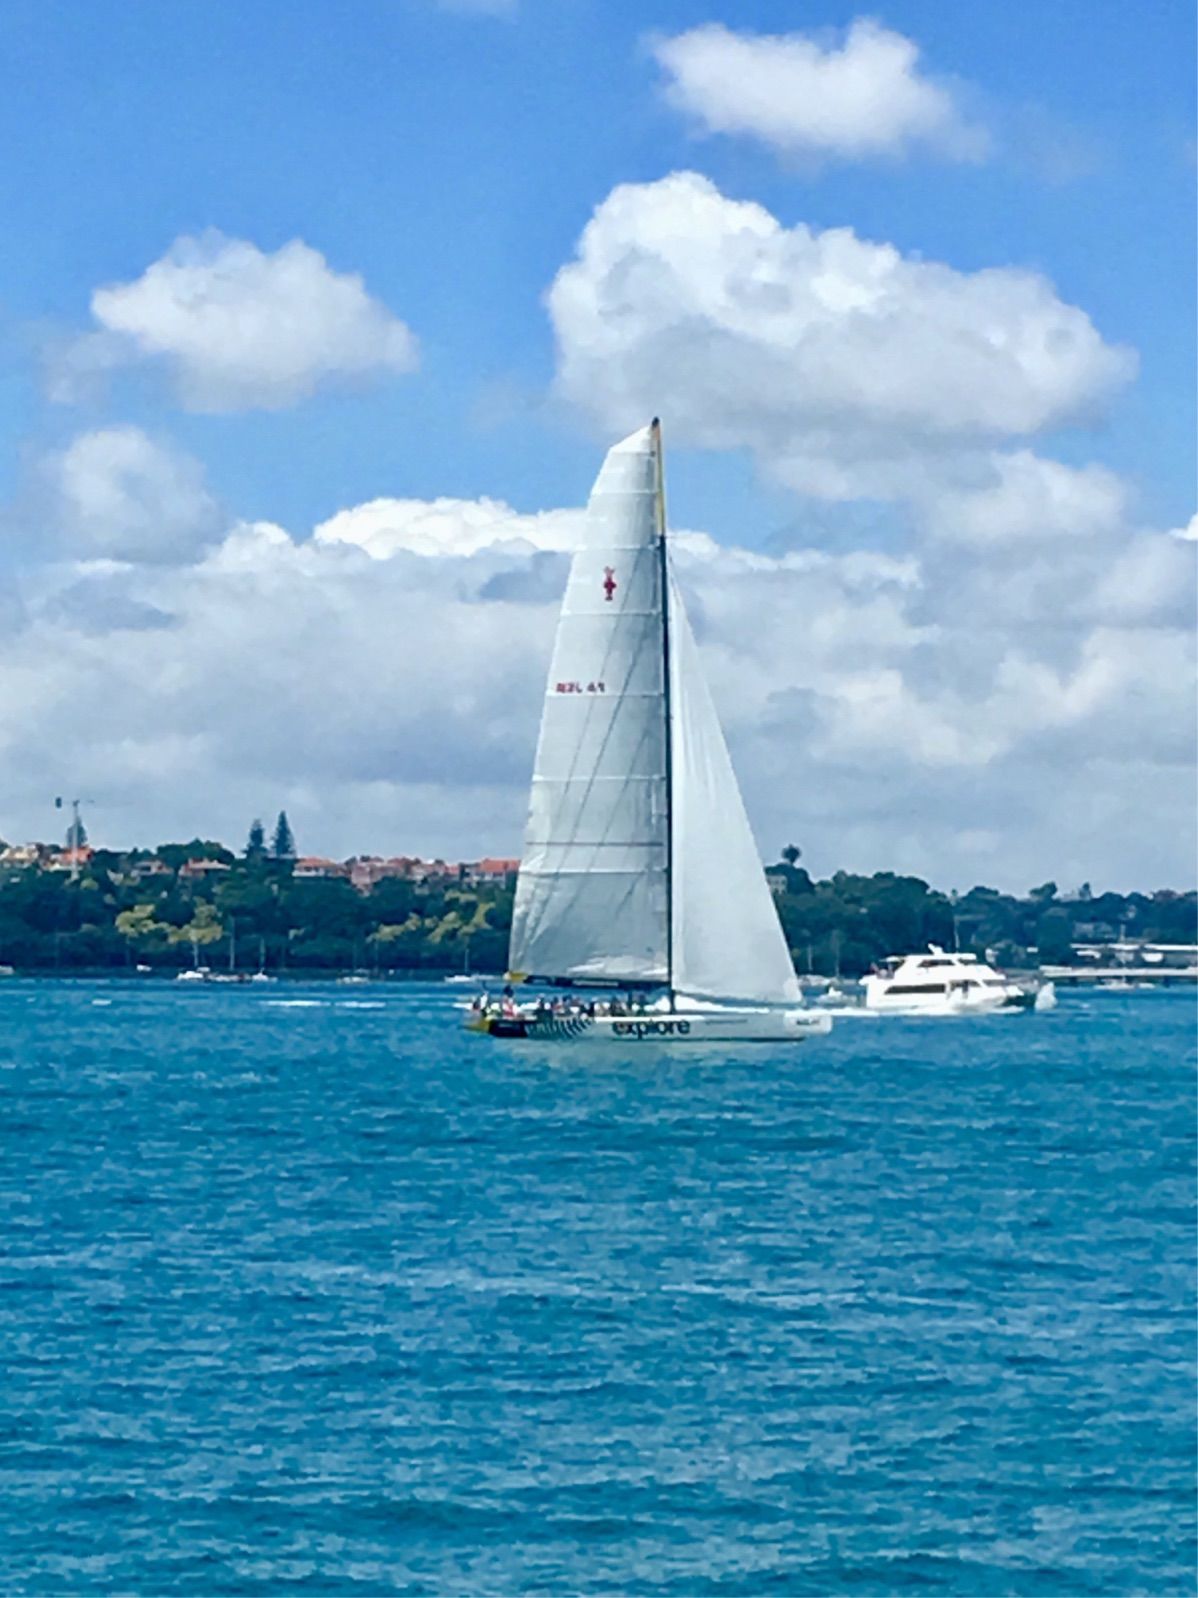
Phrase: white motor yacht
pixel 937 983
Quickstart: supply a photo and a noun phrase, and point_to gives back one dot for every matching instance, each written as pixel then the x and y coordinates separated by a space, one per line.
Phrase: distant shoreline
pixel 88 912
pixel 168 974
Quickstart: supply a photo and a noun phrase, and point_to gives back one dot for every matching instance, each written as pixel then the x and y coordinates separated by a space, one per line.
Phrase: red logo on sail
pixel 609 582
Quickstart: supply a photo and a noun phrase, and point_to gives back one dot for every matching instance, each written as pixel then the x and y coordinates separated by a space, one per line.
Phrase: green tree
pixel 255 844
pixel 283 843
pixel 1044 894
pixel 391 901
pixel 177 854
pixel 140 926
pixel 205 927
pixel 1054 937
pixel 791 854
pixel 253 899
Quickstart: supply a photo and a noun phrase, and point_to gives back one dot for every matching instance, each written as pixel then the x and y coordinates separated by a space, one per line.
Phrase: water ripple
pixel 303 1292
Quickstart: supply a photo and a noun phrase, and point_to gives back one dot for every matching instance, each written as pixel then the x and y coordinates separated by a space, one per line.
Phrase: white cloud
pixel 1019 496
pixel 991 695
pixel 1147 581
pixel 1188 533
pixel 863 98
pixel 117 494
pixel 383 679
pixel 238 328
pixel 384 527
pixel 845 367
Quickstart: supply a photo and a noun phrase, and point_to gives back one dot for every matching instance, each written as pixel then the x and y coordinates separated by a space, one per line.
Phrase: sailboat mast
pixel 664 570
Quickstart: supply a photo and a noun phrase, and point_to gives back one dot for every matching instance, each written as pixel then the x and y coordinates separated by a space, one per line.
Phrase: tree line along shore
pixel 92 909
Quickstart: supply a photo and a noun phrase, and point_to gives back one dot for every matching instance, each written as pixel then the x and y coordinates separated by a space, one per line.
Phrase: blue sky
pixel 452 158
pixel 452 155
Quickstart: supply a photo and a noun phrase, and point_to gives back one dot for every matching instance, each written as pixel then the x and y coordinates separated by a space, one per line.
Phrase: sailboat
pixel 641 899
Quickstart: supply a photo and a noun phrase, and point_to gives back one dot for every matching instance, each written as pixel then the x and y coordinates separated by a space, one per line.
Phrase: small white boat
pixel 641 899
pixel 198 973
pixel 938 983
pixel 833 997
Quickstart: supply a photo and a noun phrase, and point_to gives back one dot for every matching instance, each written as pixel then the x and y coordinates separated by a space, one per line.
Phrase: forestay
pixel 591 900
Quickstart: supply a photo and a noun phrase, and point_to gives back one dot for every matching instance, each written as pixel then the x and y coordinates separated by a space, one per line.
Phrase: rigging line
pixel 667 714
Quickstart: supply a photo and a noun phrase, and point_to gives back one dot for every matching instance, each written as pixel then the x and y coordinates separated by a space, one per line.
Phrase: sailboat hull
pixel 694 1026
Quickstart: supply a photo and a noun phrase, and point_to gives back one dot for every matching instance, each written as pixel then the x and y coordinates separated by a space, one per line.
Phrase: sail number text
pixel 580 688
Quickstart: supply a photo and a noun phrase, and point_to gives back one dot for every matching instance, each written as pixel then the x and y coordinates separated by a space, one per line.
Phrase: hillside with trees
pixel 199 903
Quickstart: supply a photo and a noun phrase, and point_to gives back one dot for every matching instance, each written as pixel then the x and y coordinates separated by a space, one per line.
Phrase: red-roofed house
pixel 65 859
pixel 141 869
pixel 196 870
pixel 493 870
pixel 367 869
pixel 310 865
pixel 22 854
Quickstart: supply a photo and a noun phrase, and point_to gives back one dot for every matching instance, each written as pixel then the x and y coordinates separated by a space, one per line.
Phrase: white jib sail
pixel 728 941
pixel 591 900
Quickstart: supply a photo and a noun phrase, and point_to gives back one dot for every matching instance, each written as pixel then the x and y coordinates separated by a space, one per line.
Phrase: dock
pixel 1157 965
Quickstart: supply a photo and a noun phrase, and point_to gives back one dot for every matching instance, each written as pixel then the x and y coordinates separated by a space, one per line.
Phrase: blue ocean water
pixel 302 1289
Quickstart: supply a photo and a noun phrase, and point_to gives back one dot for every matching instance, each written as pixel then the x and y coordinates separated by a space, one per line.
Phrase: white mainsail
pixel 639 862
pixel 591 899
